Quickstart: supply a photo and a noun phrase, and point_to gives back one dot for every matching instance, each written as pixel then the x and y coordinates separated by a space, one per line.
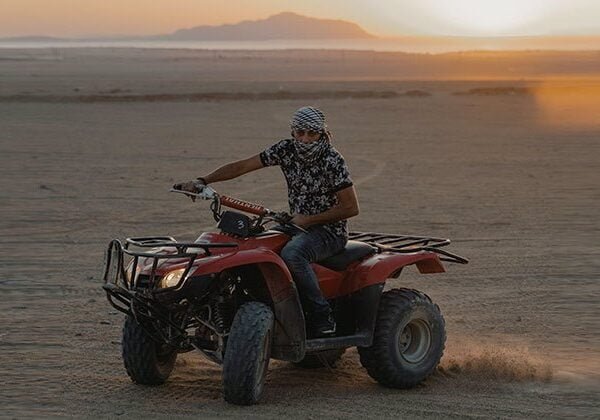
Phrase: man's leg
pixel 304 249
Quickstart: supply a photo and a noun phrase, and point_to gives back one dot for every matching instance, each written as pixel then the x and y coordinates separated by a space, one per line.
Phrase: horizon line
pixel 374 36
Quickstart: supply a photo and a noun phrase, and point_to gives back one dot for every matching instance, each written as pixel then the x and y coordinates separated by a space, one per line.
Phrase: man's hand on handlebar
pixel 301 220
pixel 285 219
pixel 281 217
pixel 195 187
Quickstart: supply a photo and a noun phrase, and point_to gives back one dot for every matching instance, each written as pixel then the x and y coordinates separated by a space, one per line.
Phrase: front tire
pixel 408 342
pixel 247 354
pixel 147 362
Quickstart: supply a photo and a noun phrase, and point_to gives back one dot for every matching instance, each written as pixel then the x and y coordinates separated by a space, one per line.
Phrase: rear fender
pixel 290 333
pixel 378 268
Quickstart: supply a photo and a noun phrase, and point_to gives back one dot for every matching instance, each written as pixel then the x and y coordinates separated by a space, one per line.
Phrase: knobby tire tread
pixel 251 323
pixel 378 360
pixel 140 358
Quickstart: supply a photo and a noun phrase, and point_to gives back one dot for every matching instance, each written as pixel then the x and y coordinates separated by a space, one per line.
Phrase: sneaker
pixel 325 328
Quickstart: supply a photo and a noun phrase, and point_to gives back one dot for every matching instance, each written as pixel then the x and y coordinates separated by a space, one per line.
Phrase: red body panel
pixel 263 251
pixel 254 250
pixel 330 281
pixel 273 242
pixel 379 267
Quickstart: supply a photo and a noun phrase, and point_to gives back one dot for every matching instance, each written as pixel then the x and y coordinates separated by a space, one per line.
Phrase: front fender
pixel 274 271
pixel 290 331
pixel 220 262
pixel 378 268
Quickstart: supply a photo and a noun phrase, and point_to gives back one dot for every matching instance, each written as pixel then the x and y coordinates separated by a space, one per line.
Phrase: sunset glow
pixel 568 105
pixel 70 18
pixel 491 17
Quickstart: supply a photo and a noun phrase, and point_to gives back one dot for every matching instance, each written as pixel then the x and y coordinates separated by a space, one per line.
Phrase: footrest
pixel 359 340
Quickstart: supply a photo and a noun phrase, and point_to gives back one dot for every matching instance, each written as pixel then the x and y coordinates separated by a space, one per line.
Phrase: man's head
pixel 308 124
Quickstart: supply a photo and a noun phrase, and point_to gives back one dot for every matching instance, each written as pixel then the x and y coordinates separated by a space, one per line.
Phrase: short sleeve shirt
pixel 312 186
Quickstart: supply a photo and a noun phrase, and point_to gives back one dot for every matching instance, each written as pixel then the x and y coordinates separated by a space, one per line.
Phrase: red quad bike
pixel 230 296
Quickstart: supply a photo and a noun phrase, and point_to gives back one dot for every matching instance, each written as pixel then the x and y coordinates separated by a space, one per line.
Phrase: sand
pixel 509 169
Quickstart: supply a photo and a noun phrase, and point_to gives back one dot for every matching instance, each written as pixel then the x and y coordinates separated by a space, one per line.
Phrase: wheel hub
pixel 414 341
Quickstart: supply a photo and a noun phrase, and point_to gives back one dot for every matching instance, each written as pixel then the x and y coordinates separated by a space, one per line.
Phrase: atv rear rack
pixel 405 244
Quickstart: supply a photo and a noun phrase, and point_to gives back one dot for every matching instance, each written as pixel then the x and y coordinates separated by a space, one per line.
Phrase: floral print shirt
pixel 312 185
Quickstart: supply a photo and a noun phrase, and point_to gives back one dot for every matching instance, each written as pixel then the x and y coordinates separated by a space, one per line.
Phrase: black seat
pixel 355 250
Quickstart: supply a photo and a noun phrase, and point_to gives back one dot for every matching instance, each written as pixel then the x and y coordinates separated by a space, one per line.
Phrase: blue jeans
pixel 302 250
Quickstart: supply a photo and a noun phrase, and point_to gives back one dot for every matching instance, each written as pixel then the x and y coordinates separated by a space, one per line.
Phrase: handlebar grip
pixel 242 205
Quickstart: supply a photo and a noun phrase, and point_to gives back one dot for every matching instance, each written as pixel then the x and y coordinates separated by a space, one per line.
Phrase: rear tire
pixel 326 358
pixel 408 342
pixel 247 354
pixel 146 361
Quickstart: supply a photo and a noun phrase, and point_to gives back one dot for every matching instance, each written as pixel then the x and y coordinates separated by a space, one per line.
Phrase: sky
pixel 81 18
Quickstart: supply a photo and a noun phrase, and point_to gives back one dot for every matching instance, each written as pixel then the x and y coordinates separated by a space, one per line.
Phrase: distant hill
pixel 32 38
pixel 285 25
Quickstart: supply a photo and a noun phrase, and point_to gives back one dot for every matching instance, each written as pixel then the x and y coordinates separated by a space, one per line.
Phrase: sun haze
pixel 71 18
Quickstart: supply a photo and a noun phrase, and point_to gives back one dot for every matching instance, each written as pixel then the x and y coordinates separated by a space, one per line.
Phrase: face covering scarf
pixel 309 152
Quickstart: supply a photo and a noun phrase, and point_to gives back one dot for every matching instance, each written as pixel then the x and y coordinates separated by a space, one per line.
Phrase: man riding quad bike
pixel 321 197
pixel 230 296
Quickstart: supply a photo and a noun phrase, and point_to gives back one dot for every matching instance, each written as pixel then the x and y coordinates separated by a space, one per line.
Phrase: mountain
pixel 32 38
pixel 285 25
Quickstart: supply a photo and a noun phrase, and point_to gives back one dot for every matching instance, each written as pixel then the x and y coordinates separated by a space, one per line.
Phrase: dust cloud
pixel 493 362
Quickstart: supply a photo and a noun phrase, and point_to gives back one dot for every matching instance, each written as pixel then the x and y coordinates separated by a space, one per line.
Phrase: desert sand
pixel 503 158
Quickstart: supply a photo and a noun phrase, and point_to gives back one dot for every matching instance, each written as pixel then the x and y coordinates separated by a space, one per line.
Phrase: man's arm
pixel 234 169
pixel 346 207
pixel 225 172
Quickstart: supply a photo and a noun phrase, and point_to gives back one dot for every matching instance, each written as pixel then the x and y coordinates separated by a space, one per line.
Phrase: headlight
pixel 171 279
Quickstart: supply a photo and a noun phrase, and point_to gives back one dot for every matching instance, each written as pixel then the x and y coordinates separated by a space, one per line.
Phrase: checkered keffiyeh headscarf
pixel 308 118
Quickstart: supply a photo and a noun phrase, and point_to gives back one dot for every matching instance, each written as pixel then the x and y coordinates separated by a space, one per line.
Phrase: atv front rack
pixel 134 248
pixel 121 284
pixel 404 244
